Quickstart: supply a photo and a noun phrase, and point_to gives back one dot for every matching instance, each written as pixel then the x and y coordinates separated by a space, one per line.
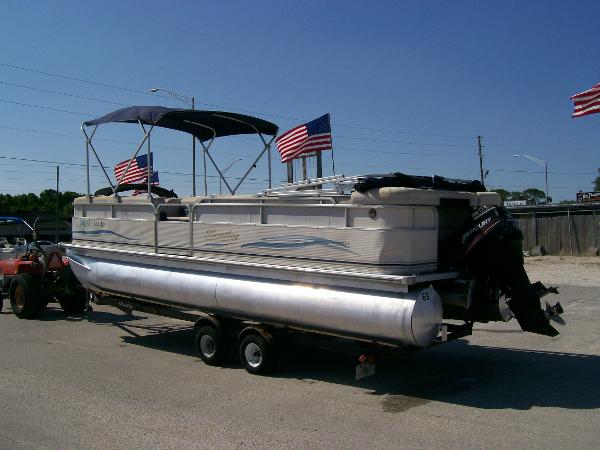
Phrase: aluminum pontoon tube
pixel 409 318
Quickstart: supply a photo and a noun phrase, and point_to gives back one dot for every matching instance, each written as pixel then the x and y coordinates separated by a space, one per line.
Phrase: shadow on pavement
pixel 465 374
pixel 55 313
pixel 168 337
pixel 459 372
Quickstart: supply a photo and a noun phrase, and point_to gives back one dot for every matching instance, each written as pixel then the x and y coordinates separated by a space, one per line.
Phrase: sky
pixel 409 86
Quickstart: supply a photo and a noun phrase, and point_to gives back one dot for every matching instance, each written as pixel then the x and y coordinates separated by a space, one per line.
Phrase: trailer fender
pixel 266 332
pixel 210 320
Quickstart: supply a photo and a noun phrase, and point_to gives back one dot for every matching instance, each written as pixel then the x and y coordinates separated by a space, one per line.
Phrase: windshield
pixel 11 241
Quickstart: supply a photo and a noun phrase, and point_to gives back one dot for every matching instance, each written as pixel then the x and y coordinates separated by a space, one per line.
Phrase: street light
pixel 185 99
pixel 541 163
pixel 223 174
pixel 192 102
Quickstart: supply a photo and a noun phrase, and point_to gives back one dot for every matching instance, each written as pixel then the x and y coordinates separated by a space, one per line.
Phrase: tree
pixel 30 205
pixel 535 196
pixel 597 182
pixel 532 196
pixel 504 194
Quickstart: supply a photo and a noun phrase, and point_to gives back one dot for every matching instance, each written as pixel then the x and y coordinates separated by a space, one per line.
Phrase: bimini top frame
pixel 205 126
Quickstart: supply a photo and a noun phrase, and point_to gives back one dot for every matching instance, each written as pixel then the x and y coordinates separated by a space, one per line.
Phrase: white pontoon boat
pixel 383 259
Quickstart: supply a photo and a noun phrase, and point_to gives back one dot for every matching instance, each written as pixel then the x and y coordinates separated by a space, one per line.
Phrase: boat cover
pixel 160 191
pixel 199 123
pixel 436 182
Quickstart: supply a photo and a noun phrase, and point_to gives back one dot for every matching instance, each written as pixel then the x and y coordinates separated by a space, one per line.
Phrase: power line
pixel 65 94
pixel 137 91
pixel 44 107
pixel 79 80
pixel 53 133
pixel 542 171
pixel 336 136
pixel 115 141
pixel 15 158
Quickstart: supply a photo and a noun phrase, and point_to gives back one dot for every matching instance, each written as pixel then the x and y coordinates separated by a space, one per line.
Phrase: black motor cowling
pixel 492 249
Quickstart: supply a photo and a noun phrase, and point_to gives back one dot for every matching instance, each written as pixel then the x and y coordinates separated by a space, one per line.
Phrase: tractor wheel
pixel 75 302
pixel 25 296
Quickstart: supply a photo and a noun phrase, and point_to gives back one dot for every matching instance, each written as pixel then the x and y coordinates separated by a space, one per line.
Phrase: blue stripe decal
pixel 99 232
pixel 296 241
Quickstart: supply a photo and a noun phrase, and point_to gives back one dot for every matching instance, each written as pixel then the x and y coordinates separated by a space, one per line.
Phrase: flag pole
pixel 149 168
pixel 331 137
pixel 304 175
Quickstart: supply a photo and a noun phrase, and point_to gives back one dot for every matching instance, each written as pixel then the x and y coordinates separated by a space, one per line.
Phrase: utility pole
pixel 56 213
pixel 480 158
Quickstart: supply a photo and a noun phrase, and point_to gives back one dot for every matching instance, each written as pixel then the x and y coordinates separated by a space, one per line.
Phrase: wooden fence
pixel 560 230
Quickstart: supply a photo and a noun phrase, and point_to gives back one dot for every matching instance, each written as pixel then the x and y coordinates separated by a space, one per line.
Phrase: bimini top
pixel 203 124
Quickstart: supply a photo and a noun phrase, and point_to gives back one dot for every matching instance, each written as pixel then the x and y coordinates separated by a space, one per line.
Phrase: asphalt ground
pixel 108 380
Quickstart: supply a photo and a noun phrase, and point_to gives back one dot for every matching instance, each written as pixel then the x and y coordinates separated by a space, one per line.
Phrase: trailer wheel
pixel 256 354
pixel 25 296
pixel 75 302
pixel 211 345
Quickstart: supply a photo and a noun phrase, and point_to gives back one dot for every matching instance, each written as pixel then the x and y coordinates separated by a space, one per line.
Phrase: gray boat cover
pixel 203 124
pixel 398 179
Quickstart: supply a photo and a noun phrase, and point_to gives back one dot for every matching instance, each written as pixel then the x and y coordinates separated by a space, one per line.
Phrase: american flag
pixel 587 102
pixel 310 137
pixel 137 171
pixel 153 181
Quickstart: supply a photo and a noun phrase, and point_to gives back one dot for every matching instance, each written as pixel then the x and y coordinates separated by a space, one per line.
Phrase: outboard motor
pixel 492 249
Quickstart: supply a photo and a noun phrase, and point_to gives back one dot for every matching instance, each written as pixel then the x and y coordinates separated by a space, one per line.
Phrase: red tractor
pixel 36 273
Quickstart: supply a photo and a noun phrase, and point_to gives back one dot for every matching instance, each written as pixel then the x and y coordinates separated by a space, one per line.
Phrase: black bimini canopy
pixel 203 124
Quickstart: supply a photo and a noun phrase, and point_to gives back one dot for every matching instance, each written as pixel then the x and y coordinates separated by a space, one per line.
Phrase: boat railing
pixel 296 187
pixel 193 215
pixel 339 182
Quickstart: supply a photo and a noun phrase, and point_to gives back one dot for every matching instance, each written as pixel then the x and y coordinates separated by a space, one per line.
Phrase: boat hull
pixel 410 318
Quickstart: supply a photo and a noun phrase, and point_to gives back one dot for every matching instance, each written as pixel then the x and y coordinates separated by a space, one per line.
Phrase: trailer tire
pixel 74 303
pixel 211 345
pixel 256 354
pixel 25 296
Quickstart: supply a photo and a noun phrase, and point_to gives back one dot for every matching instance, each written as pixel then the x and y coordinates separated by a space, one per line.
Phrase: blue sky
pixel 409 84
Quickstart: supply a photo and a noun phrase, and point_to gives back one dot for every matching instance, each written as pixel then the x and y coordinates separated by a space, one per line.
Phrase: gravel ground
pixel 107 380
pixel 571 270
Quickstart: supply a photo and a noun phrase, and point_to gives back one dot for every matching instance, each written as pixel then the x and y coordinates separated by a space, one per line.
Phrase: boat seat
pixel 192 200
pixel 422 197
pixel 97 199
pixel 141 199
